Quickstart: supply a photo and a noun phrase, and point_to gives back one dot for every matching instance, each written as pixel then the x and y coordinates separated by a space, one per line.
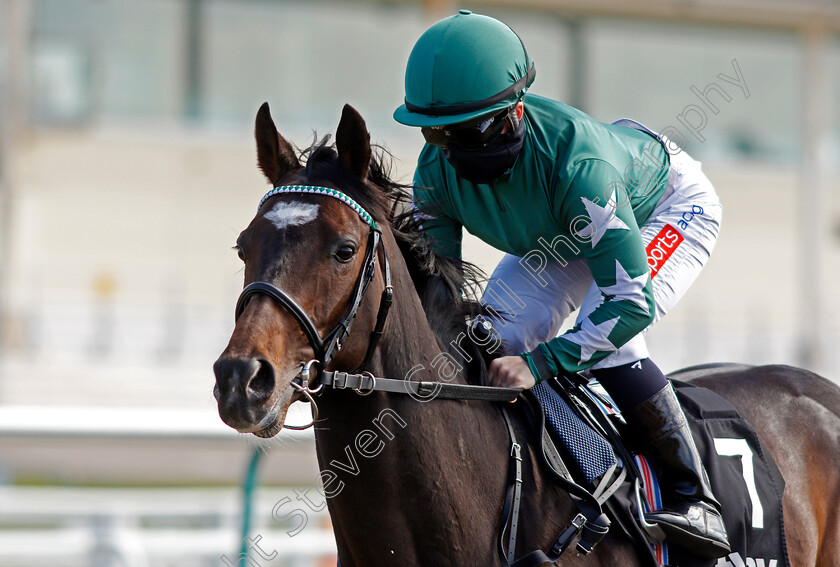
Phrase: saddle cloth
pixel 743 475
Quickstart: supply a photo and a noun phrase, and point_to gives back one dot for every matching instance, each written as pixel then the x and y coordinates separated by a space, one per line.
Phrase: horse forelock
pixel 447 286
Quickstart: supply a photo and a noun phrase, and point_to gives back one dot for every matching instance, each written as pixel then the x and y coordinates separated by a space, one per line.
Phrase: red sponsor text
pixel 661 247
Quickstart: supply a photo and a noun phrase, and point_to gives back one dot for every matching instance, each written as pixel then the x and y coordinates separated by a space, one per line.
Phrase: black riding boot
pixel 691 515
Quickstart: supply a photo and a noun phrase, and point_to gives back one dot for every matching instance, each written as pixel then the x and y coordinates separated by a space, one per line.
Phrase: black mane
pixel 448 287
pixel 321 164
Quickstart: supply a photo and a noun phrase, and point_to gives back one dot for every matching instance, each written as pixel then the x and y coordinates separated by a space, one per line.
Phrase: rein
pixel 366 383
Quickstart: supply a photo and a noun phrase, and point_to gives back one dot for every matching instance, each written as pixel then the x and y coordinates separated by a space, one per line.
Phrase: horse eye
pixel 345 253
pixel 239 253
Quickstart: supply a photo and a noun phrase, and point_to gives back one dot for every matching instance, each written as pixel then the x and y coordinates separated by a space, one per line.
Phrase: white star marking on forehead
pixel 627 288
pixel 292 213
pixel 603 219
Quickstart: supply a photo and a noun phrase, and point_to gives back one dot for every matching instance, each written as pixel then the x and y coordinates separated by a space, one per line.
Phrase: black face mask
pixel 489 163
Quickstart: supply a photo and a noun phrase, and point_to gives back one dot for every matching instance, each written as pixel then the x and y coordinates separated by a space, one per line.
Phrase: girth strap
pixel 591 524
pixel 513 497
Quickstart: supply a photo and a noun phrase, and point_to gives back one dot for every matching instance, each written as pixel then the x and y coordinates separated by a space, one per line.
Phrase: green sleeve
pixel 596 209
pixel 436 217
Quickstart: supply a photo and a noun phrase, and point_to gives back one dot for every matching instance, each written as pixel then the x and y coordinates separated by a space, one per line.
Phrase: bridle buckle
pixel 305 375
pixel 372 385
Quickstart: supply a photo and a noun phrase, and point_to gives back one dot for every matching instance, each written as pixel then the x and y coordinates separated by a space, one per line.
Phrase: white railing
pixel 147 527
pixel 102 527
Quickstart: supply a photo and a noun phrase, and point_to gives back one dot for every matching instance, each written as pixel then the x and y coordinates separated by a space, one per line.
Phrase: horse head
pixel 310 272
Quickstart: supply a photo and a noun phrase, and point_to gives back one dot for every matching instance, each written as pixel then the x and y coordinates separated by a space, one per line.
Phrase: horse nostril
pixel 261 384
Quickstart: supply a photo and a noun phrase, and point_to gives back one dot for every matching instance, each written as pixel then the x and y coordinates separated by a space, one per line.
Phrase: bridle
pixel 364 383
pixel 325 348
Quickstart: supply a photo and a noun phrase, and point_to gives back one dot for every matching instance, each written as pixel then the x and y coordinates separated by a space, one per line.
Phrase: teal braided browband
pixel 335 193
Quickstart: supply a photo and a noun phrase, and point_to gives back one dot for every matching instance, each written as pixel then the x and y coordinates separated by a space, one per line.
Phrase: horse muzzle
pixel 244 391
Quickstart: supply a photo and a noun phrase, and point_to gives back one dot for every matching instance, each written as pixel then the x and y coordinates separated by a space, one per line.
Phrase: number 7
pixel 740 448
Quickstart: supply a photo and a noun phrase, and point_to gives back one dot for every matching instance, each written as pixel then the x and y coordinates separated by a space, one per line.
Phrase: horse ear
pixel 275 155
pixel 353 142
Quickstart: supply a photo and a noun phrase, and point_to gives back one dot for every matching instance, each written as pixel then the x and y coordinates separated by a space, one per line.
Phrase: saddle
pixel 581 446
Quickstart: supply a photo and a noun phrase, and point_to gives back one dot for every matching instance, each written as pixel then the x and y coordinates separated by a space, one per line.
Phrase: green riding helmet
pixel 462 67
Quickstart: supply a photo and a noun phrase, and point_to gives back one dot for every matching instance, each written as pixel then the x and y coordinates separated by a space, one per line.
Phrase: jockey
pixel 612 219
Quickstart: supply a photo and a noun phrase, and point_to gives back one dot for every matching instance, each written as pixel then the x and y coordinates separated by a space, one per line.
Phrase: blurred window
pixel 212 62
pixel 120 59
pixel 646 70
pixel 307 59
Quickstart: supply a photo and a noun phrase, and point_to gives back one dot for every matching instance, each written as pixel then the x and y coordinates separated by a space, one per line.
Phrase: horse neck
pixel 408 341
pixel 440 469
pixel 417 440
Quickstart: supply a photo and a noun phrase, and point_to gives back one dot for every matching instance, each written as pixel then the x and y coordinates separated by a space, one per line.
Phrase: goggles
pixel 471 136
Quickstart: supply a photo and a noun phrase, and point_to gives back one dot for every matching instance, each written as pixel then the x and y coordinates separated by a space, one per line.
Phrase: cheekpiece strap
pixel 313 189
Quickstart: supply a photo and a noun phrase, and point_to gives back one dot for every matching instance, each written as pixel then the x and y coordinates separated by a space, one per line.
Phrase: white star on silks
pixel 627 288
pixel 592 337
pixel 603 219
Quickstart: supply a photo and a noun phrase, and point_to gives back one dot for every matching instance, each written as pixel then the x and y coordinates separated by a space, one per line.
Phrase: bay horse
pixel 422 484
